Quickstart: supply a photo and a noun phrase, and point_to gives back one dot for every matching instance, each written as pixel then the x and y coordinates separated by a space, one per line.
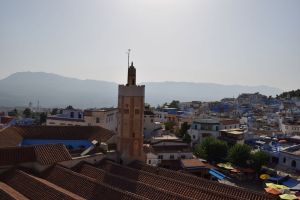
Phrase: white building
pixel 162 153
pixel 68 117
pixel 161 116
pixel 290 158
pixel 229 124
pixel 150 125
pixel 202 128
pixel 106 118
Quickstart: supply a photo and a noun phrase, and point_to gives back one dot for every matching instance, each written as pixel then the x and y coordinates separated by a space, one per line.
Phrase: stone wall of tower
pixel 131 122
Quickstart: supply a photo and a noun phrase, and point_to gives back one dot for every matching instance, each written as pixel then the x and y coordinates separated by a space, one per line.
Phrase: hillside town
pixel 236 148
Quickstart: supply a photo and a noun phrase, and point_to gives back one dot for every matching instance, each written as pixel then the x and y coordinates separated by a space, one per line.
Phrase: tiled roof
pixel 33 188
pixel 194 163
pixel 6 119
pixel 239 193
pixel 229 121
pixel 165 183
pixel 86 187
pixel 145 190
pixel 8 193
pixel 109 180
pixel 43 154
pixel 51 153
pixel 13 135
pixel 9 137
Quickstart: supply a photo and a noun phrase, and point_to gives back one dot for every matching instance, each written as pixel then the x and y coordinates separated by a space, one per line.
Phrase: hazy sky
pixel 248 42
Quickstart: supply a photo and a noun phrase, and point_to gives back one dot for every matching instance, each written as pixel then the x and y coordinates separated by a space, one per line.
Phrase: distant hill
pixel 57 91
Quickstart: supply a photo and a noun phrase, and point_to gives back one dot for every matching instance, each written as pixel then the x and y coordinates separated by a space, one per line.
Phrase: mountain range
pixel 53 90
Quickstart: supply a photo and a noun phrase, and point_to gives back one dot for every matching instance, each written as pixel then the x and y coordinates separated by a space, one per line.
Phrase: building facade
pixel 202 128
pixel 106 118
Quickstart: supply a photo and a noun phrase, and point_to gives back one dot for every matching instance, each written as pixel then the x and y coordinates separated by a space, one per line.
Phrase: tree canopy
pixel 27 112
pixel 239 154
pixel 183 132
pixel 212 149
pixel 13 113
pixel 258 159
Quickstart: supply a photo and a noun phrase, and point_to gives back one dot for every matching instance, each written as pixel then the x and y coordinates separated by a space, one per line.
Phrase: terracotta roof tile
pixel 34 188
pixel 172 185
pixel 145 190
pixel 51 153
pixel 85 186
pixel 8 193
pixel 43 154
pixel 239 193
pixel 229 121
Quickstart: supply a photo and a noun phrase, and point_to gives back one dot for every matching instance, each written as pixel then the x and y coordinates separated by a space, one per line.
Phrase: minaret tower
pixel 131 119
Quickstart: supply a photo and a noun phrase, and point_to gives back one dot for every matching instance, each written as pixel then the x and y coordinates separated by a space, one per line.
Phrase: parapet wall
pixel 132 90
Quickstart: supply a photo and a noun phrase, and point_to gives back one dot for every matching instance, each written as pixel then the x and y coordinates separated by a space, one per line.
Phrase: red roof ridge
pixel 10 193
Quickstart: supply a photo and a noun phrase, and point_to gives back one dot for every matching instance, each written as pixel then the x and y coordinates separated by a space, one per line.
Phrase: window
pixel 217 128
pixel 194 137
pixel 160 157
pixel 152 121
pixel 79 116
pixel 126 111
pixel 182 156
pixel 284 160
pixel 171 157
pixel 136 111
pixel 97 120
pixel 149 162
pixel 294 164
pixel 72 114
pixel 196 127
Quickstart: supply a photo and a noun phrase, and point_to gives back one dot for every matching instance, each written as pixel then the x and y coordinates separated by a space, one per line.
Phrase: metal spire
pixel 128 53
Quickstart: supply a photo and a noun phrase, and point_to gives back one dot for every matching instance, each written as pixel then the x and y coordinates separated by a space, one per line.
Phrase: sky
pixel 246 42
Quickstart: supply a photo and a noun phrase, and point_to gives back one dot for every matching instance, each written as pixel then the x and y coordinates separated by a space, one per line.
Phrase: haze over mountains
pixel 53 90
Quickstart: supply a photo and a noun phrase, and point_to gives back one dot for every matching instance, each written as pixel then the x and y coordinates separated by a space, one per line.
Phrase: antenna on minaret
pixel 128 53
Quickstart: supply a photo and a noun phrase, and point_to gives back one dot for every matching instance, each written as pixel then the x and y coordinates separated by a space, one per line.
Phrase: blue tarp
pixel 276 178
pixel 290 183
pixel 217 174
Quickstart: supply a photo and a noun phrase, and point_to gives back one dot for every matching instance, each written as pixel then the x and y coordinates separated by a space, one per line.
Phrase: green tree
pixel 43 118
pixel 258 159
pixel 183 129
pixel 239 154
pixel 186 138
pixel 13 113
pixel 199 152
pixel 213 149
pixel 54 111
pixel 174 104
pixel 69 107
pixel 169 126
pixel 27 112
